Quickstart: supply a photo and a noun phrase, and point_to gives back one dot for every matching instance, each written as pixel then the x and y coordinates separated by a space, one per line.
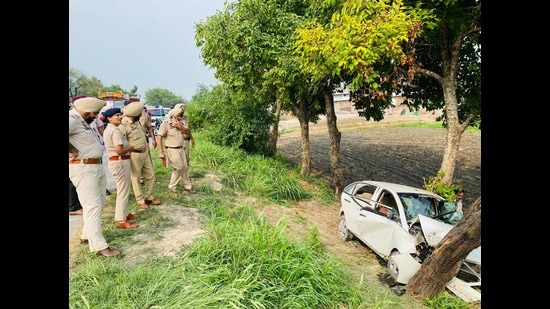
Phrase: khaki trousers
pixel 142 166
pixel 91 182
pixel 180 168
pixel 122 174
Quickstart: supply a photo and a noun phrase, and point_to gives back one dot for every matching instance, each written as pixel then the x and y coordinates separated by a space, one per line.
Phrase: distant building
pixel 342 102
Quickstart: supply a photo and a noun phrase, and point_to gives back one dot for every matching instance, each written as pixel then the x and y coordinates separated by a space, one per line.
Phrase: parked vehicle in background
pixel 158 114
pixel 402 225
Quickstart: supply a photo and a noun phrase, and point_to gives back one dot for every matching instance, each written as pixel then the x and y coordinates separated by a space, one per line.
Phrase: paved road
pixel 75 222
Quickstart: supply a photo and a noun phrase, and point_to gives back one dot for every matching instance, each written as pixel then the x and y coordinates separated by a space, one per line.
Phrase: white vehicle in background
pixel 158 114
pixel 402 225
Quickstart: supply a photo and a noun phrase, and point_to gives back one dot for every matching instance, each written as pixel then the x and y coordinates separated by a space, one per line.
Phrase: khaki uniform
pixel 144 121
pixel 186 138
pixel 90 180
pixel 174 142
pixel 146 124
pixel 140 160
pixel 120 168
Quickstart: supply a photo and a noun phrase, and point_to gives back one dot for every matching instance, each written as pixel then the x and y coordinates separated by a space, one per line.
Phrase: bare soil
pixel 379 151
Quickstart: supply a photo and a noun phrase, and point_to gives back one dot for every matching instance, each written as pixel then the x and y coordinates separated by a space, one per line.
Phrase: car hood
pixel 435 230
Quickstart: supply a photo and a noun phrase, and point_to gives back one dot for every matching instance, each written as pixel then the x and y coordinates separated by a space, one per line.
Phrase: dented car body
pixel 402 225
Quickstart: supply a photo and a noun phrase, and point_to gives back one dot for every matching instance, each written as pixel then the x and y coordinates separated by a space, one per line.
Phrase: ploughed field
pixel 379 151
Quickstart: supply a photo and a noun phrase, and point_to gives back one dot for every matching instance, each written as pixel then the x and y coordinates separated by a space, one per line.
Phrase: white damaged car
pixel 402 225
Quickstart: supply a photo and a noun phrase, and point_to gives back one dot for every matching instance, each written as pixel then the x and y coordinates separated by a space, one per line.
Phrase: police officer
pixel 171 131
pixel 188 137
pixel 118 151
pixel 140 158
pixel 87 173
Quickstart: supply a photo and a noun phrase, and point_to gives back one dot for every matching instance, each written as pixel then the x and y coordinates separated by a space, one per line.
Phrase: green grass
pixel 241 261
pixel 425 124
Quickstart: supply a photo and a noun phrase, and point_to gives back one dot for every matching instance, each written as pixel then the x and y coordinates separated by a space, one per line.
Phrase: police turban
pixel 180 105
pixel 175 112
pixel 133 109
pixel 89 104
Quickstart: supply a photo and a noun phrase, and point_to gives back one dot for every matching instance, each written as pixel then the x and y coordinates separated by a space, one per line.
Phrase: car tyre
pixel 392 267
pixel 343 231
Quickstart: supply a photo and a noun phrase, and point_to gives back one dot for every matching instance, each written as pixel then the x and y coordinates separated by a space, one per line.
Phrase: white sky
pixel 146 43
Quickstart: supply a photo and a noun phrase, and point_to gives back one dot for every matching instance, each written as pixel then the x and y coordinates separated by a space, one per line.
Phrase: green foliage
pixel 362 43
pixel 241 122
pixel 458 33
pixel 444 300
pixel 435 184
pixel 270 269
pixel 113 88
pixel 164 97
pixel 250 44
pixel 80 84
pixel 254 175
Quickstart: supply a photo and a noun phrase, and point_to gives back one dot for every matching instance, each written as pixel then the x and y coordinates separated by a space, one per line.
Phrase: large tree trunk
pixel 450 54
pixel 454 130
pixel 444 263
pixel 334 138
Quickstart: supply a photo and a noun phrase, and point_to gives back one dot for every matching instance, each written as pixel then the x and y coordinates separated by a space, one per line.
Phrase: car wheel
pixel 392 267
pixel 343 231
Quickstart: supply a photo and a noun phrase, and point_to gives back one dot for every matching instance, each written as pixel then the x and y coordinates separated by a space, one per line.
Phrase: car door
pixel 381 233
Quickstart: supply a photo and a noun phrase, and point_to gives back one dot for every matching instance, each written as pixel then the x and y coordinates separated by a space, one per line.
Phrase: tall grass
pixel 241 262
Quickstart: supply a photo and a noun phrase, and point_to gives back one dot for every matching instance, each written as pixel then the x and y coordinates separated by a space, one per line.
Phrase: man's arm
pixel 160 147
pixel 185 130
pixel 153 139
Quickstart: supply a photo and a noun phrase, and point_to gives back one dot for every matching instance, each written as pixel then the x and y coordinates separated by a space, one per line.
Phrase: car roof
pixel 399 188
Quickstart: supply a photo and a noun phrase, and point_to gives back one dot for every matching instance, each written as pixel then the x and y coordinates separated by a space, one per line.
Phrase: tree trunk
pixel 334 138
pixel 454 131
pixel 303 118
pixel 450 54
pixel 274 136
pixel 444 263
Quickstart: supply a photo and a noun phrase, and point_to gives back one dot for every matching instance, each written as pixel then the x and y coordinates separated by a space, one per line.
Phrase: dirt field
pixel 376 151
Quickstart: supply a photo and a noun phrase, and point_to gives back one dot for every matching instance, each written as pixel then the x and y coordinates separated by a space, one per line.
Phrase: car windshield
pixel 118 104
pixel 156 112
pixel 418 204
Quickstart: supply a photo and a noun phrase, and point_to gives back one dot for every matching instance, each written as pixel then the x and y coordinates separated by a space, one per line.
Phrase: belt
pixel 86 161
pixel 138 151
pixel 179 147
pixel 116 158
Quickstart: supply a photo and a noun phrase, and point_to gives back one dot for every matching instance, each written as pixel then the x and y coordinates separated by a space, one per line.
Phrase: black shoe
pixel 107 192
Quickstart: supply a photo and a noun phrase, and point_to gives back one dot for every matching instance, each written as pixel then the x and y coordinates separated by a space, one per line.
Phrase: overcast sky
pixel 143 43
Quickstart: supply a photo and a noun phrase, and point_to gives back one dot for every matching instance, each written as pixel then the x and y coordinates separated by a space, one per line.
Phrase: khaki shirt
pixel 185 122
pixel 113 137
pixel 134 133
pixel 83 138
pixel 173 137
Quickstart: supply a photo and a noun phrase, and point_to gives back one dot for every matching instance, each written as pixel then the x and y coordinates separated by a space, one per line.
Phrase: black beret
pixel 111 111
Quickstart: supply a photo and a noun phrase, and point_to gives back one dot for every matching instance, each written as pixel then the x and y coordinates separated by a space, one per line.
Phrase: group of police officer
pixel 88 175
